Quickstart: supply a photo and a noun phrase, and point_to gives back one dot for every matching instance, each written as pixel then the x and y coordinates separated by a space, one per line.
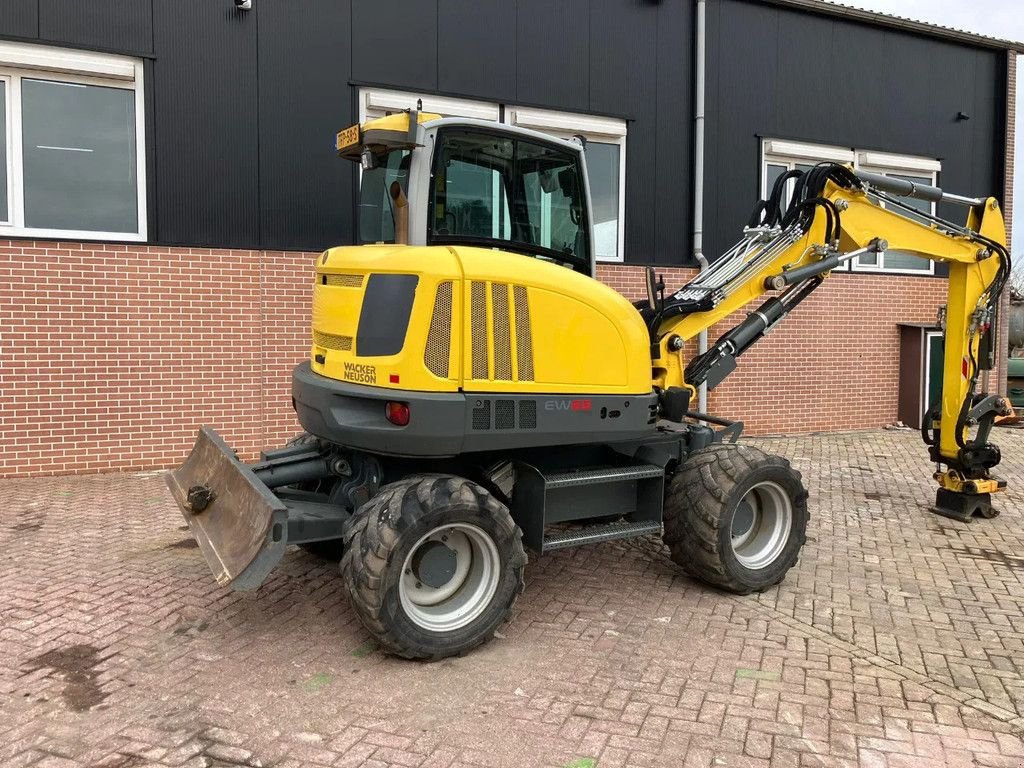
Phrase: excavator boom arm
pixel 834 216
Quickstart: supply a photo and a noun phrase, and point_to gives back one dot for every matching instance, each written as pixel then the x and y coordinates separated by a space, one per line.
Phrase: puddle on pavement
pixel 76 666
pixel 28 520
pixel 190 628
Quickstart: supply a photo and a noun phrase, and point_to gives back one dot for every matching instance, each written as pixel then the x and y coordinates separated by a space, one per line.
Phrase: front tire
pixel 433 565
pixel 736 517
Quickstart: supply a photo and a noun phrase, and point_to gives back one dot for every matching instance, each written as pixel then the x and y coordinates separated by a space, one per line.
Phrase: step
pixel 593 534
pixel 602 475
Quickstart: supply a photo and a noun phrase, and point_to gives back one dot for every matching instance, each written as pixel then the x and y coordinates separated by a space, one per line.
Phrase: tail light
pixel 397 413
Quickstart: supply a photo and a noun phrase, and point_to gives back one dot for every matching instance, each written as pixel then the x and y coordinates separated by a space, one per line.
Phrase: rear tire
pixel 736 517
pixel 439 529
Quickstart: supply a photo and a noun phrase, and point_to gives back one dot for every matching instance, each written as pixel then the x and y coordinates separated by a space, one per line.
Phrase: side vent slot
pixel 478 329
pixel 502 333
pixel 439 336
pixel 482 414
pixel 527 414
pixel 524 335
pixel 504 414
pixel 331 341
pixel 343 281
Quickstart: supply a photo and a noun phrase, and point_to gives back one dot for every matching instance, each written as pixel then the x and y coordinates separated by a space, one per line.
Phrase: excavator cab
pixel 428 180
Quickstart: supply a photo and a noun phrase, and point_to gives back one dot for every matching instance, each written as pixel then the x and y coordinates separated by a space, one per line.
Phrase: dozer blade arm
pixel 239 524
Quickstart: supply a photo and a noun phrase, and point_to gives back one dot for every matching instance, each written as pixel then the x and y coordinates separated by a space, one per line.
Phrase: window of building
pixel 777 157
pixel 72 144
pixel 605 153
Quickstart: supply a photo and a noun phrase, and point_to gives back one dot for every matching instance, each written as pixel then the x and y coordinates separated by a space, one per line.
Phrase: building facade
pixel 170 176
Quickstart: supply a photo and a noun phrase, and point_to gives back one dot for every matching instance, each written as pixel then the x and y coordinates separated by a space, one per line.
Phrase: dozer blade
pixel 239 524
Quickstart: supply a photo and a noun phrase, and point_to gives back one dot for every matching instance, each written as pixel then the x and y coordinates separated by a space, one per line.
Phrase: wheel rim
pixel 449 577
pixel 761 525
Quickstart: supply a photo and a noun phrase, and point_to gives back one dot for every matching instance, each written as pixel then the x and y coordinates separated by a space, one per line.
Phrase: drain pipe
pixel 698 177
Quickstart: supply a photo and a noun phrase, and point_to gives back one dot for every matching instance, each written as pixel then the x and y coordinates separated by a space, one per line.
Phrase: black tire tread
pixel 373 532
pixel 695 506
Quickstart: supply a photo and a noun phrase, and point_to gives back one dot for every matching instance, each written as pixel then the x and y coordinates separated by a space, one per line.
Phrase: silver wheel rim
pixel 467 591
pixel 761 525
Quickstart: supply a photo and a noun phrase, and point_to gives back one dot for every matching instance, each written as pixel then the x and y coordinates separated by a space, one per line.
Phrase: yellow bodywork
pixel 516 324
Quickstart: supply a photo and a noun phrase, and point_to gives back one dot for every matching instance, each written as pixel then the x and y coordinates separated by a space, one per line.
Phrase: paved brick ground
pixel 897 641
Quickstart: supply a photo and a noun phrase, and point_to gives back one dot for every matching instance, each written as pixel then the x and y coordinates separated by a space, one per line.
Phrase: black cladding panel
pixel 806 65
pixel 741 106
pixel 19 18
pixel 240 122
pixel 116 25
pixel 553 54
pixel 394 42
pixel 305 188
pixel 823 80
pixel 623 81
pixel 207 148
pixel 673 148
pixel 476 48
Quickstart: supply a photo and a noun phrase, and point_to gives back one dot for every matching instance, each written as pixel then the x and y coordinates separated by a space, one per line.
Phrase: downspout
pixel 698 177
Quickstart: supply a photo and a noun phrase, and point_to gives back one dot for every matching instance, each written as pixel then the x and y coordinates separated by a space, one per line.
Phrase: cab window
pixel 510 193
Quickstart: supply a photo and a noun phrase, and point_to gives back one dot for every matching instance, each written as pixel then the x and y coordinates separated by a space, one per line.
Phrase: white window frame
pixel 602 130
pixel 792 153
pixel 37 62
pixel 8 215
pixel 374 103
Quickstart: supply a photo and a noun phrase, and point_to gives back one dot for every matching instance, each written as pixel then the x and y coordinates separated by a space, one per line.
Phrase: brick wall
pixel 112 355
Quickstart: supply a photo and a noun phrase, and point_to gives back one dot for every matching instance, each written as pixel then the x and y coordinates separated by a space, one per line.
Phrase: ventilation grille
pixel 439 336
pixel 527 414
pixel 524 337
pixel 502 333
pixel 344 281
pixel 493 332
pixel 330 341
pixel 504 414
pixel 478 329
pixel 482 415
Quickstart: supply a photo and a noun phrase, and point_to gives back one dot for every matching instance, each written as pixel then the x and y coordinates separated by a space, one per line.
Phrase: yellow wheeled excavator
pixel 472 389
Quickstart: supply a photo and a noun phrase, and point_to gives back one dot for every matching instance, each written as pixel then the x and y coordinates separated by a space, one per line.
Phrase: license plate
pixel 347 138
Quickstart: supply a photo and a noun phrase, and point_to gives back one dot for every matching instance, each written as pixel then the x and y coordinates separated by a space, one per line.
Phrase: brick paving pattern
pixel 897 641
